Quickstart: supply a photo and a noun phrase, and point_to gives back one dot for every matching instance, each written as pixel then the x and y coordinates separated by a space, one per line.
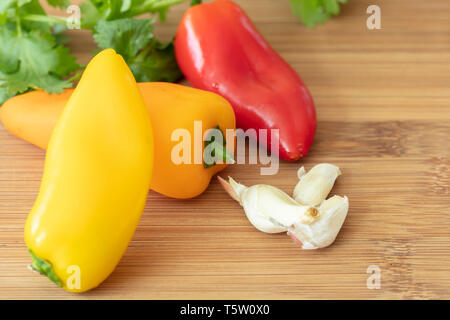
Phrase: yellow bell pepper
pixel 96 178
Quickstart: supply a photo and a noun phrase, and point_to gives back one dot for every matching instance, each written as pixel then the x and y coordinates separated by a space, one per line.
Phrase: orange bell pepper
pixel 32 117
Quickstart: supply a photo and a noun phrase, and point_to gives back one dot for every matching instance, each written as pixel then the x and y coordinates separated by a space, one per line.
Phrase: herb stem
pixel 19 28
pixel 154 5
pixel 144 52
pixel 18 25
pixel 48 19
pixel 167 3
pixel 75 77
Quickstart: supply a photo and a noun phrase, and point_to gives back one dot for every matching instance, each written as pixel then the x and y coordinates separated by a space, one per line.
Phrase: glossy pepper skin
pixel 33 115
pixel 219 49
pixel 96 178
pixel 173 107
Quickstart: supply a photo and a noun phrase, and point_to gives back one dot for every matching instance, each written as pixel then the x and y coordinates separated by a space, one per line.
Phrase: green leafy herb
pixel 33 60
pixel 313 12
pixel 148 59
pixel 31 56
pixel 96 10
pixel 114 26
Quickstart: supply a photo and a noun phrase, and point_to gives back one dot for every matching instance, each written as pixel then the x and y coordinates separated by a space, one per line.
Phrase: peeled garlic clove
pixel 248 198
pixel 280 207
pixel 250 201
pixel 268 208
pixel 315 185
pixel 239 192
pixel 322 232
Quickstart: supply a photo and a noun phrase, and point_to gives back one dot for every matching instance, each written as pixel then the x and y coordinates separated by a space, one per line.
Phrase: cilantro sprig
pixel 30 55
pixel 33 54
pixel 114 25
pixel 312 12
pixel 98 10
pixel 148 58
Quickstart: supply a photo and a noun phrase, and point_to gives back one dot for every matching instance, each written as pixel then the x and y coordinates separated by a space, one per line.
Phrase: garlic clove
pixel 268 208
pixel 323 232
pixel 250 201
pixel 280 207
pixel 271 210
pixel 315 185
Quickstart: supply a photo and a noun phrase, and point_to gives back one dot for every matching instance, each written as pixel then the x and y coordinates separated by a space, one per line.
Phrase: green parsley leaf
pixel 32 54
pixel 313 12
pixel 6 5
pixel 34 61
pixel 126 36
pixel 159 64
pixel 31 7
pixel 11 12
pixel 96 10
pixel 148 59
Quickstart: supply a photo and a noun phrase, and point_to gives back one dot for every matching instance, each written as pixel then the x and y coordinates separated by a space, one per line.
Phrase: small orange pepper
pixel 32 117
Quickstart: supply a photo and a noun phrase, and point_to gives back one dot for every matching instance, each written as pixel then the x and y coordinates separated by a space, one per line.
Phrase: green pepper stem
pixel 45 268
pixel 218 150
pixel 221 152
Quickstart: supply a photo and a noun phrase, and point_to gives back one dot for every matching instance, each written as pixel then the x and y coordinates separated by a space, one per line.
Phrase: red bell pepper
pixel 219 49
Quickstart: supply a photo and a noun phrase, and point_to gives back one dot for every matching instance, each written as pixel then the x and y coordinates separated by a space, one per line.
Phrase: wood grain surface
pixel 383 105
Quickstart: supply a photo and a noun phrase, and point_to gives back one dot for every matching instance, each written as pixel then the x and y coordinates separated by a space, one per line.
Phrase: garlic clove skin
pixel 269 209
pixel 248 198
pixel 323 231
pixel 301 172
pixel 315 185
pixel 238 188
pixel 233 188
pixel 280 207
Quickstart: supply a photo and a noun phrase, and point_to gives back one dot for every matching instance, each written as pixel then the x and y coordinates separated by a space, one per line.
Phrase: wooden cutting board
pixel 383 105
